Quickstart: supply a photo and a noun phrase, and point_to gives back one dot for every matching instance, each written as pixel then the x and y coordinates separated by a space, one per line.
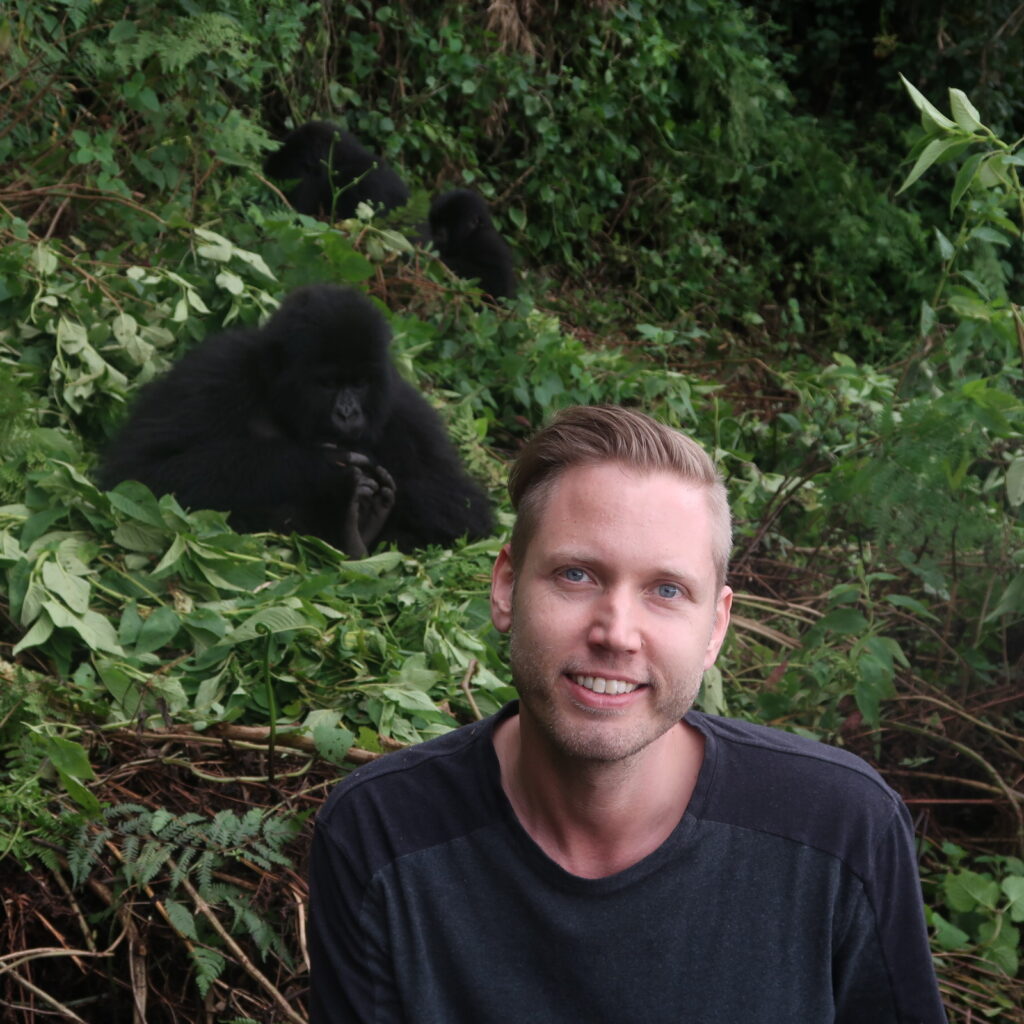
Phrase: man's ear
pixel 502 581
pixel 720 625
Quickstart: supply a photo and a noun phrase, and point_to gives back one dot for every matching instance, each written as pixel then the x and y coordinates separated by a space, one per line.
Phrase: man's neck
pixel 595 819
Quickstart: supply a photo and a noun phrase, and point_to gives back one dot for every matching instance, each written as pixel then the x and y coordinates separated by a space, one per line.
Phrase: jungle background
pixel 733 215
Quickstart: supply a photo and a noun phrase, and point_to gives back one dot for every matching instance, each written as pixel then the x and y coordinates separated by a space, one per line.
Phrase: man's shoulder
pixel 785 750
pixel 415 798
pixel 793 787
pixel 424 769
pixel 435 755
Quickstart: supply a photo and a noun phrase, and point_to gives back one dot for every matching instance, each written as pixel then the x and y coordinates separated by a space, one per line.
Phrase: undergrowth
pixel 178 698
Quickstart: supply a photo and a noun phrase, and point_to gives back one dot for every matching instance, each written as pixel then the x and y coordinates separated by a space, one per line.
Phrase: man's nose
pixel 616 623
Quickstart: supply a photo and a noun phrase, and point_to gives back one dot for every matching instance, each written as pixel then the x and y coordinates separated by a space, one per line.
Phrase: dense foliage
pixel 708 224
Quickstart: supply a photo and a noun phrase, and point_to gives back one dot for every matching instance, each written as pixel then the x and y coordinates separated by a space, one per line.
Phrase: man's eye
pixel 574 574
pixel 669 591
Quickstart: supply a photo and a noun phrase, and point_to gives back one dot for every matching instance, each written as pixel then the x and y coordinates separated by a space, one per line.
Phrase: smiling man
pixel 598 851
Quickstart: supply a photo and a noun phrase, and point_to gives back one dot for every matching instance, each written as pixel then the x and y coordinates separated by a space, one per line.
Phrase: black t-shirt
pixel 787 894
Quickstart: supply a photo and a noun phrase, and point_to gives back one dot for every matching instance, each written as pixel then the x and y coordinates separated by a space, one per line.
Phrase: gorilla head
pixel 469 243
pixel 331 347
pixel 325 172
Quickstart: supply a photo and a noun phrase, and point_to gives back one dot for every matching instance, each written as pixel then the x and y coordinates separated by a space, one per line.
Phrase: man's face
pixel 614 613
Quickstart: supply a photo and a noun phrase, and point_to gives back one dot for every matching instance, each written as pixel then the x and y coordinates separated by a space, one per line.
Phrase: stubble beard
pixel 593 735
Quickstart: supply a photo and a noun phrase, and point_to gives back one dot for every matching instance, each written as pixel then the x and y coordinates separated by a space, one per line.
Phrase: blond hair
pixel 585 435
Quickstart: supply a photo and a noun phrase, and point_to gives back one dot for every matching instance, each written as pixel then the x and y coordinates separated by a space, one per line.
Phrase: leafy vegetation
pixel 700 236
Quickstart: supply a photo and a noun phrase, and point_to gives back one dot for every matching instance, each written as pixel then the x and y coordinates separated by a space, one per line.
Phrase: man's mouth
pixel 598 684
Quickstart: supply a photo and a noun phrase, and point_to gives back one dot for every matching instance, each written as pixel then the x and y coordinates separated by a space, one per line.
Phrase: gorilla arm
pixel 266 483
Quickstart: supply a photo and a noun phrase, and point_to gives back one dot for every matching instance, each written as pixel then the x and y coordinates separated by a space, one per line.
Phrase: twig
pixel 469 673
pixel 252 737
pixel 1015 798
pixel 300 913
pixel 33 954
pixel 251 969
pixel 9 961
pixel 79 915
pixel 955 709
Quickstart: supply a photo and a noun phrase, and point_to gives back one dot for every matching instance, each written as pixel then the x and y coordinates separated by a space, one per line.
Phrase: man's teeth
pixel 599 685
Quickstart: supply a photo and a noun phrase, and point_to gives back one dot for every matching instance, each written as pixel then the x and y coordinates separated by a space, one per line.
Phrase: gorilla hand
pixel 373 497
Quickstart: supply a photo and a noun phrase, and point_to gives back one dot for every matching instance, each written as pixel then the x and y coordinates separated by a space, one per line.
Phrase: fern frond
pixel 209 964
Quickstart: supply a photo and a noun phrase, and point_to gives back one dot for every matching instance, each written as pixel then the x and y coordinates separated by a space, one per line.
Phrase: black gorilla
pixel 327 173
pixel 469 244
pixel 303 425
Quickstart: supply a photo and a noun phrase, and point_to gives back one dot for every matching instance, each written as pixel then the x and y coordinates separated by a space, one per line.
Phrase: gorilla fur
pixel 303 425
pixel 326 172
pixel 469 243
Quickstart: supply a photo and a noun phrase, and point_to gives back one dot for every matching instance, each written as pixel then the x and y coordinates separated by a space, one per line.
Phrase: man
pixel 597 851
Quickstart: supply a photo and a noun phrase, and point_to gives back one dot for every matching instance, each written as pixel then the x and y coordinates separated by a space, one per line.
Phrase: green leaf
pixel 272 620
pixel 123 687
pixel 40 632
pixel 230 282
pixel 1013 887
pixel 927 319
pixel 256 261
pixel 69 757
pixel 989 234
pixel 181 919
pixel 999 941
pixel 964 177
pixel 211 236
pixel 964 112
pixel 844 620
pixel 144 539
pixel 137 501
pixel 333 741
pixel 948 936
pixel 157 630
pixel 148 100
pixel 712 692
pixel 928 111
pixel 123 31
pixel 396 241
pixel 1015 483
pixel 195 301
pixel 968 890
pixel 932 152
pixel 946 250
pixel 209 965
pixel 992 172
pixel 1011 603
pixel 86 800
pixel 868 701
pixel 72 590
pixel 93 628
pixel 415 674
pixel 374 566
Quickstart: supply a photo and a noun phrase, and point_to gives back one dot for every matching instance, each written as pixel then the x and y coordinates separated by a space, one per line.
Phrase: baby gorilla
pixel 325 172
pixel 469 243
pixel 303 425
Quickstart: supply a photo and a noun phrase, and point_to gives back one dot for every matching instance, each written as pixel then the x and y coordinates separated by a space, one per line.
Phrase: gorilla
pixel 303 425
pixel 327 173
pixel 469 244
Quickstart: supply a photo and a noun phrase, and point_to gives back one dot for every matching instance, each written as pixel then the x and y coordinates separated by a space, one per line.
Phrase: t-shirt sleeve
pixel 351 970
pixel 883 968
